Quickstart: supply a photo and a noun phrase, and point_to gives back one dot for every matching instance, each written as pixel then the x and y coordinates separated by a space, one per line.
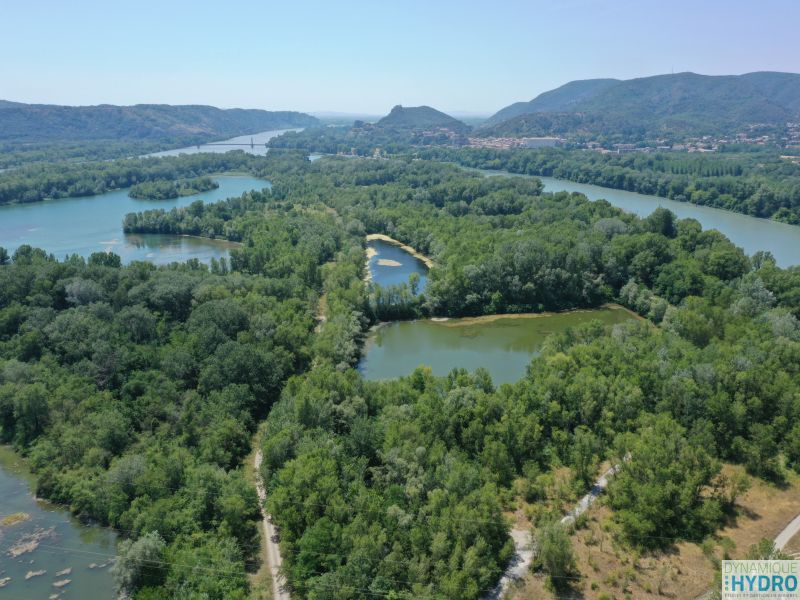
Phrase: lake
pixel 502 344
pixel 749 233
pixel 241 142
pixel 94 224
pixel 64 543
pixel 391 265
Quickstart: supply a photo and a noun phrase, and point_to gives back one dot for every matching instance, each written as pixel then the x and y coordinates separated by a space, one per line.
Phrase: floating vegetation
pixel 14 518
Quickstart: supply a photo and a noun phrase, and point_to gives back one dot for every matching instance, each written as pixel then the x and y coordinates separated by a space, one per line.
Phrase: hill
pixel 681 104
pixel 420 117
pixel 557 100
pixel 49 123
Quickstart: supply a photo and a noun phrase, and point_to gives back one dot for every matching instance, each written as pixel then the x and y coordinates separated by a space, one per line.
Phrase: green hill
pixel 420 117
pixel 682 104
pixel 51 123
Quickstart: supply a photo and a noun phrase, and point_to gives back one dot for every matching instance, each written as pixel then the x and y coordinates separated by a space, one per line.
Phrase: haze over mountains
pixel 44 122
pixel 682 103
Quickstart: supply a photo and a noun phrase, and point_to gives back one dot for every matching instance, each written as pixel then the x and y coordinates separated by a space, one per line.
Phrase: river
pixel 94 224
pixel 241 142
pixel 67 551
pixel 749 233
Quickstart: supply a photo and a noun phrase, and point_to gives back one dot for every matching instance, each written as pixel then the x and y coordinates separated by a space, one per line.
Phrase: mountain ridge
pixel 21 122
pixel 687 103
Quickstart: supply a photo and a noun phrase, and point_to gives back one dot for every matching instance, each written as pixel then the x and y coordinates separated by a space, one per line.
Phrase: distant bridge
pixel 252 144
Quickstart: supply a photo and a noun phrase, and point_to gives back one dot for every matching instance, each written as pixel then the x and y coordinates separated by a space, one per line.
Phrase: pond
pixel 389 264
pixel 94 224
pixel 58 554
pixel 502 344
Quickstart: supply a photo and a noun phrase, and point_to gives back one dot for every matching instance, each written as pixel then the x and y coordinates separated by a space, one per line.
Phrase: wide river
pixel 94 224
pixel 749 233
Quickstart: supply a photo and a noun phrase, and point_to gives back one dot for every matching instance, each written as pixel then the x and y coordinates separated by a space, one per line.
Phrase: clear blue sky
pixel 358 56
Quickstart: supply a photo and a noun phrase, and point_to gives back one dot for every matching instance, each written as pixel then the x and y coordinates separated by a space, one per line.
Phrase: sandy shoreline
pixel 385 238
pixel 465 321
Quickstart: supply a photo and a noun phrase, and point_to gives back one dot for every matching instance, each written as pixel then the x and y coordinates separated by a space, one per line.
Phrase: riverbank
pixel 94 224
pixel 43 545
pixel 468 321
pixel 750 233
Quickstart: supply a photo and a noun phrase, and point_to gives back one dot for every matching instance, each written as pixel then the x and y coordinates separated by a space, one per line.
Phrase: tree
pixel 662 221
pixel 554 554
pixel 660 493
pixel 140 563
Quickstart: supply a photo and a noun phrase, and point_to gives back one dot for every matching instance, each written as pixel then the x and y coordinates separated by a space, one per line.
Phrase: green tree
pixel 140 563
pixel 554 554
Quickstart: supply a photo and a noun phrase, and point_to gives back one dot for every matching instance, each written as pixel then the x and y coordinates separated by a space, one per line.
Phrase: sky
pixel 364 57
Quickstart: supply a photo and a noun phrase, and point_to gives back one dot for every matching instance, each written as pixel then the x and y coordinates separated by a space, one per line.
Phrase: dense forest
pixel 165 189
pixel 394 488
pixel 35 182
pixel 16 155
pixel 760 184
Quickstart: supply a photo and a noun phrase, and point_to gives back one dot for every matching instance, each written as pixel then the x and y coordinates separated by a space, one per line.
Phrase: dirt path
pixel 792 529
pixel 523 542
pixel 322 313
pixel 584 503
pixel 519 565
pixel 273 551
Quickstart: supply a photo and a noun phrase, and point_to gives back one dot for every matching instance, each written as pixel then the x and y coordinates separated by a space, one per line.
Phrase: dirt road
pixel 273 551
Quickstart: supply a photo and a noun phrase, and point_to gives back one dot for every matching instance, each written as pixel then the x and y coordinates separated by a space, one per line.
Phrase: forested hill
pixel 681 103
pixel 420 117
pixel 52 123
pixel 557 100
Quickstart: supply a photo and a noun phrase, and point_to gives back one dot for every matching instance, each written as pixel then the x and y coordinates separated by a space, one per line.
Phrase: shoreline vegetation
pixel 758 184
pixel 480 320
pixel 53 181
pixel 167 189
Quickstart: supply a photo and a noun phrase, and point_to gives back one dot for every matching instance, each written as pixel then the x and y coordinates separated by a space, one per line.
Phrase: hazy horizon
pixel 359 58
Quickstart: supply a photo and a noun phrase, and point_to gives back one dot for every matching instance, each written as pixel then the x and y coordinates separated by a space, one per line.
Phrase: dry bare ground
pixel 609 570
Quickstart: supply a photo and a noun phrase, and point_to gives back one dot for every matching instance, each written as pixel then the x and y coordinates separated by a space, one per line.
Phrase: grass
pixel 686 570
